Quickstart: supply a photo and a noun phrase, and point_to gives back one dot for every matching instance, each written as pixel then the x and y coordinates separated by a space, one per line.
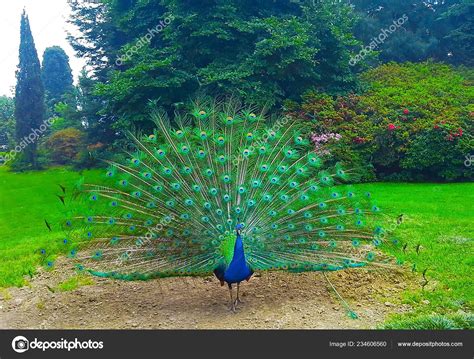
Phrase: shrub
pixel 65 145
pixel 414 122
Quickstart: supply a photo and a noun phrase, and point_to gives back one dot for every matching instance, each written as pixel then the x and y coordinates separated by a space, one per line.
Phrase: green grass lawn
pixel 438 217
pixel 27 199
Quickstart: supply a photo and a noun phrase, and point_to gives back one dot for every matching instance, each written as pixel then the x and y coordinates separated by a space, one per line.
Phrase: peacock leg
pixel 238 298
pixel 232 302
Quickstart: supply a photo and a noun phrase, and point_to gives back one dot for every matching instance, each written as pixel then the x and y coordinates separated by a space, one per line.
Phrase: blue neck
pixel 238 269
pixel 239 245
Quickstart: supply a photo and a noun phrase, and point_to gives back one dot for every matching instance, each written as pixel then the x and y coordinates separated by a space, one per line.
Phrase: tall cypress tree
pixel 29 94
pixel 56 74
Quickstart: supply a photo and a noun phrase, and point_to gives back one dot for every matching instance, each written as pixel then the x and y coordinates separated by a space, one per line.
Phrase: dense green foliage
pixel 7 122
pixel 65 145
pixel 164 53
pixel 57 75
pixel 29 94
pixel 414 122
pixel 439 30
pixel 171 50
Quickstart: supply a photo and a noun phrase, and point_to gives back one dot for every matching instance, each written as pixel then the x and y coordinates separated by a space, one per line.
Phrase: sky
pixel 49 27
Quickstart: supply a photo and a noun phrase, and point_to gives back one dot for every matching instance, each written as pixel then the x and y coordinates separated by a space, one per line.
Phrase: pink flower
pixel 320 141
pixel 391 127
pixel 406 111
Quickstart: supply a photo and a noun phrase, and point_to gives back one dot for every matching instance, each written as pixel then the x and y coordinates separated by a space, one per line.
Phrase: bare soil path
pixel 271 300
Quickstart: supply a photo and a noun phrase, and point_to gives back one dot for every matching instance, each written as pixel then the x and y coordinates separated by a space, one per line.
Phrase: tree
pixel 56 74
pixel 436 29
pixel 29 94
pixel 459 40
pixel 7 123
pixel 171 50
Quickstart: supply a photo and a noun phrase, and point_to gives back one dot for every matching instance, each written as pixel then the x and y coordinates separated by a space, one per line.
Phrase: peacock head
pixel 239 227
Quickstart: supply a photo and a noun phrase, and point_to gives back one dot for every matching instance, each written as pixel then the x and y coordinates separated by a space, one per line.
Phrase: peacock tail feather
pixel 170 209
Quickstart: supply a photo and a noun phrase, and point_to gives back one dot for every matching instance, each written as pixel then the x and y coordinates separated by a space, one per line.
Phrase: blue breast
pixel 238 269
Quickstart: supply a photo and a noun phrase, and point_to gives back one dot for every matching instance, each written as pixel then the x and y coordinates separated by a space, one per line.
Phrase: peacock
pixel 222 190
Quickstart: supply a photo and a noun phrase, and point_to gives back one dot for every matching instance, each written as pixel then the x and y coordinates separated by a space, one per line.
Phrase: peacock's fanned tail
pixel 171 208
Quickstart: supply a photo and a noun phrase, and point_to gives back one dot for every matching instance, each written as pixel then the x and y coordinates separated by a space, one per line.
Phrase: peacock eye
pixel 202 113
pixel 252 115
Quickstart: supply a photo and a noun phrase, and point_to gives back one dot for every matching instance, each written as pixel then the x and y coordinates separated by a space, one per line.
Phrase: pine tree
pixel 29 95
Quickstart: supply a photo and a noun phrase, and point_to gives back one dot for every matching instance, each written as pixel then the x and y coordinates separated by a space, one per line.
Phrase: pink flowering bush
pixel 322 141
pixel 405 126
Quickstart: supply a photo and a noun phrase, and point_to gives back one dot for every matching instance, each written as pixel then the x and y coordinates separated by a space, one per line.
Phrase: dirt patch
pixel 272 300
